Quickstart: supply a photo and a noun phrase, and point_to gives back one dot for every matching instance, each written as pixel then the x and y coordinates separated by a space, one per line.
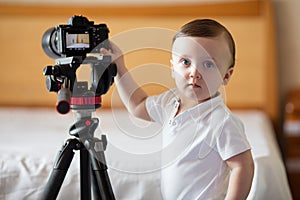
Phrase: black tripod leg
pixel 60 168
pixel 85 176
pixel 99 171
pixel 95 187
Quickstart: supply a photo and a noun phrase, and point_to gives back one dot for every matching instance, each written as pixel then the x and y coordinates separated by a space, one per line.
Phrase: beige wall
pixel 21 28
pixel 287 15
pixel 110 2
pixel 288 34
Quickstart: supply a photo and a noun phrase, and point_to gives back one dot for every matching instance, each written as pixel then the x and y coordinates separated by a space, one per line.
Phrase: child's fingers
pixel 105 51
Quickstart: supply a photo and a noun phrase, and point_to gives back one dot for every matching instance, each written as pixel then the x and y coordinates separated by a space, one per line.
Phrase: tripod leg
pixel 85 176
pixel 95 187
pixel 60 168
pixel 99 171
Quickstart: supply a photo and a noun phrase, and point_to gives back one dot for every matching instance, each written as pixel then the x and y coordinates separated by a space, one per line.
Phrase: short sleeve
pixel 232 141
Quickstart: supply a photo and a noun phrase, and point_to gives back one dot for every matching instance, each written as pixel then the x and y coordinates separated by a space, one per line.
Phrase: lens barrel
pixel 49 43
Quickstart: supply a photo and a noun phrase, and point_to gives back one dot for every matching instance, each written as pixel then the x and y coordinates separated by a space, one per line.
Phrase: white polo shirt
pixel 196 144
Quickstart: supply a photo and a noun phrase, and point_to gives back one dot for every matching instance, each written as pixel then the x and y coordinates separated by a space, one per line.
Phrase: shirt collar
pixel 204 108
pixel 201 110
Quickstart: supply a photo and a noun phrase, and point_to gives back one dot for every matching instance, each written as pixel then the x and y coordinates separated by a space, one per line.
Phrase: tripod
pixel 94 179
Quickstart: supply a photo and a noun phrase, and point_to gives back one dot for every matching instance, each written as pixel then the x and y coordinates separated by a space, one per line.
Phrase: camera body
pixel 77 38
pixel 69 45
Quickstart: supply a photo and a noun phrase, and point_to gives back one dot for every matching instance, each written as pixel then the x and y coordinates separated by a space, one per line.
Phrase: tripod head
pixel 70 44
pixel 73 94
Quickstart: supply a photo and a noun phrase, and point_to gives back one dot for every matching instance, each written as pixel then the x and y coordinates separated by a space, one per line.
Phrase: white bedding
pixel 31 138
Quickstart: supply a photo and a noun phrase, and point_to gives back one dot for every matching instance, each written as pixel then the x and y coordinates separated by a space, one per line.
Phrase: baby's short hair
pixel 207 28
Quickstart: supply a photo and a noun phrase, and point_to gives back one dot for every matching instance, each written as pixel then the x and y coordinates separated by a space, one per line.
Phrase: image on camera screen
pixel 77 41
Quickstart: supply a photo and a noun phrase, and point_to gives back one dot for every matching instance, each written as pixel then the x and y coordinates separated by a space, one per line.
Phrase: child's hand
pixel 115 53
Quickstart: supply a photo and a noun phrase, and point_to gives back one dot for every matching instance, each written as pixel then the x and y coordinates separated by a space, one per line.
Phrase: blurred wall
pixel 21 28
pixel 288 33
pixel 287 17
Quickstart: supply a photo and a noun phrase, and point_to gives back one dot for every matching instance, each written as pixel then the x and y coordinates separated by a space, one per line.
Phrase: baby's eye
pixel 208 64
pixel 185 62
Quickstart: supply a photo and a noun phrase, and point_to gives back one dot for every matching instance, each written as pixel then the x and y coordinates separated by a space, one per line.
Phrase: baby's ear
pixel 172 68
pixel 227 76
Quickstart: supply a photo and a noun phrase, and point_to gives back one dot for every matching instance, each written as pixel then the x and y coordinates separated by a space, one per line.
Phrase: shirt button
pixel 174 123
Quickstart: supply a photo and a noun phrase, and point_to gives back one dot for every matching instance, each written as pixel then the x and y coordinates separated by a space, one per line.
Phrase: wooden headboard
pixel 145 33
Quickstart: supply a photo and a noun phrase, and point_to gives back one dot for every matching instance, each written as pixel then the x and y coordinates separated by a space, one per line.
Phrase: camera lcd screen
pixel 75 41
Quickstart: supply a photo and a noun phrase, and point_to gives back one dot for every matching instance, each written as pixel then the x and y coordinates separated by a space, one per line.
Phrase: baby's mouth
pixel 194 85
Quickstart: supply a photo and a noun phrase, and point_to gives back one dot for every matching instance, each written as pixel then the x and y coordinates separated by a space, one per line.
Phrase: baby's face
pixel 200 66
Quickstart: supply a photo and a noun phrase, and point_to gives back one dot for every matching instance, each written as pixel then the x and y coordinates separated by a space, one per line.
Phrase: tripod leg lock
pixel 95 144
pixel 66 154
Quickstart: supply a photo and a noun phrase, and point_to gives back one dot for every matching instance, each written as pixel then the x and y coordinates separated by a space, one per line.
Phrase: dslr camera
pixel 69 44
pixel 77 38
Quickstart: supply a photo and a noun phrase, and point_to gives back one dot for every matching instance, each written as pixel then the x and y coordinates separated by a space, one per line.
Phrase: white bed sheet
pixel 31 138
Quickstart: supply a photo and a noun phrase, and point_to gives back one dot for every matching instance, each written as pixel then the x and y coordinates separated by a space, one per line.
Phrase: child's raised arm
pixel 132 95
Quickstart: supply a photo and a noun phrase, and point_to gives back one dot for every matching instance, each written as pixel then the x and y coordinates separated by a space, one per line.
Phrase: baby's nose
pixel 195 73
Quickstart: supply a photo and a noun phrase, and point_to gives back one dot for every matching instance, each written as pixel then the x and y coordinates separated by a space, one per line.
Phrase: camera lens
pixel 49 43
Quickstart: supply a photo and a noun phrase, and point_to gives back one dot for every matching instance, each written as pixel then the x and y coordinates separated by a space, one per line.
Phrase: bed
pixel 32 132
pixel 31 144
